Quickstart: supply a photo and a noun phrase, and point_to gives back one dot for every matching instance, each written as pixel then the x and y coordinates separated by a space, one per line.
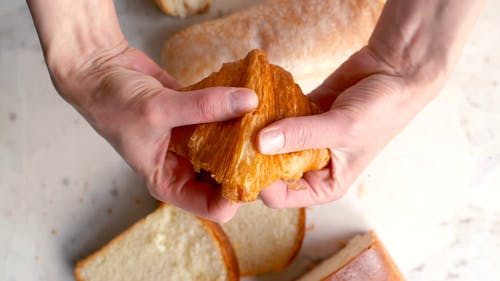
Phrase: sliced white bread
pixel 265 239
pixel 183 8
pixel 363 258
pixel 169 244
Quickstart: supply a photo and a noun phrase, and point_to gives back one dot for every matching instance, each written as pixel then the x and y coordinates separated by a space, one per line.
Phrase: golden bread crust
pixel 226 248
pixel 310 38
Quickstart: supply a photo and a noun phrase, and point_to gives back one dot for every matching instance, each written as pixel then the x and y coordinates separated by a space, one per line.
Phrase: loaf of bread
pixel 363 258
pixel 309 38
pixel 169 244
pixel 265 239
pixel 183 8
pixel 227 150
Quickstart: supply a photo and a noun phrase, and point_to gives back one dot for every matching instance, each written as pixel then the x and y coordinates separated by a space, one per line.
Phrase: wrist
pixel 421 41
pixel 76 36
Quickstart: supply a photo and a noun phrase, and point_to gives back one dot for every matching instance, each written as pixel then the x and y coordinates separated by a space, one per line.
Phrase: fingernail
pixel 243 100
pixel 272 141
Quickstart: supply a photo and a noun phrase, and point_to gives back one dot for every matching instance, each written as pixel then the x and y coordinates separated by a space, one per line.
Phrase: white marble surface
pixel 433 195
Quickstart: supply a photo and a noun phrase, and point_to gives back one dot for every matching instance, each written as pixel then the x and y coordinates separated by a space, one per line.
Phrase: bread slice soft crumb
pixel 183 8
pixel 169 244
pixel 265 239
pixel 363 258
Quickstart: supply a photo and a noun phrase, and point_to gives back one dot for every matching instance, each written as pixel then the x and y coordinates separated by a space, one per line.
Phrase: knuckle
pixel 335 192
pixel 299 138
pixel 159 186
pixel 157 192
pixel 221 216
pixel 273 203
pixel 205 107
pixel 151 112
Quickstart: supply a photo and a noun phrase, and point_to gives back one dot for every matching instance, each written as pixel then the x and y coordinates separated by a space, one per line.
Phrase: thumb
pixel 211 105
pixel 300 133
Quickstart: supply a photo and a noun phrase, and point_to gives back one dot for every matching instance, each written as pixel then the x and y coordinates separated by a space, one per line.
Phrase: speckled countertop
pixel 433 195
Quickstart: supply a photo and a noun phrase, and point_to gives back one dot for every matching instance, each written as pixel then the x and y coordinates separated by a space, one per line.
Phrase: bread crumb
pixel 361 190
pixel 37 258
pixel 311 227
pixel 53 231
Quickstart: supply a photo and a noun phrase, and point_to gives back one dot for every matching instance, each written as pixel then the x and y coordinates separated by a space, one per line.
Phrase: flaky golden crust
pixel 374 264
pixel 228 149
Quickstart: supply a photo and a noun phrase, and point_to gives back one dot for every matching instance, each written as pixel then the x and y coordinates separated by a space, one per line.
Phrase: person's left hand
pixel 133 104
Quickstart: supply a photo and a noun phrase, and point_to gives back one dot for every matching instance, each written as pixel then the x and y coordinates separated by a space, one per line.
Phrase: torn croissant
pixel 227 150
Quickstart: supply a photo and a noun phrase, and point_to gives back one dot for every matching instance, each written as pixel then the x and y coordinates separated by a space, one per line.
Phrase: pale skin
pixel 133 104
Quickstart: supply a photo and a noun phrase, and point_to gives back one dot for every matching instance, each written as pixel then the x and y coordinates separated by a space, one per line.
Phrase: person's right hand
pixel 130 101
pixel 371 97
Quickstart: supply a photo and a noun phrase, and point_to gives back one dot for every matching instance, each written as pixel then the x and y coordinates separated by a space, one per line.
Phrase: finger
pixel 211 105
pixel 300 133
pixel 316 187
pixel 176 183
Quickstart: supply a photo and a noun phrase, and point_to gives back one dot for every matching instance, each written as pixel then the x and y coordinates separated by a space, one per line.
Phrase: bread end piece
pixel 363 258
pixel 228 150
pixel 183 8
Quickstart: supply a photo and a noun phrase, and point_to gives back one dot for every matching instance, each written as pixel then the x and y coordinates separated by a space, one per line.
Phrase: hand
pixel 129 100
pixel 372 96
pixel 367 103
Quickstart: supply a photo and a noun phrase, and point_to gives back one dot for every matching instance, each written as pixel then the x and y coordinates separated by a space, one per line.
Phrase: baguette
pixel 363 258
pixel 169 244
pixel 309 38
pixel 227 150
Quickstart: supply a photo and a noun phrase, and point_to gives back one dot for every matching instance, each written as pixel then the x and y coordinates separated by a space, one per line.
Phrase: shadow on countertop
pixel 111 212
